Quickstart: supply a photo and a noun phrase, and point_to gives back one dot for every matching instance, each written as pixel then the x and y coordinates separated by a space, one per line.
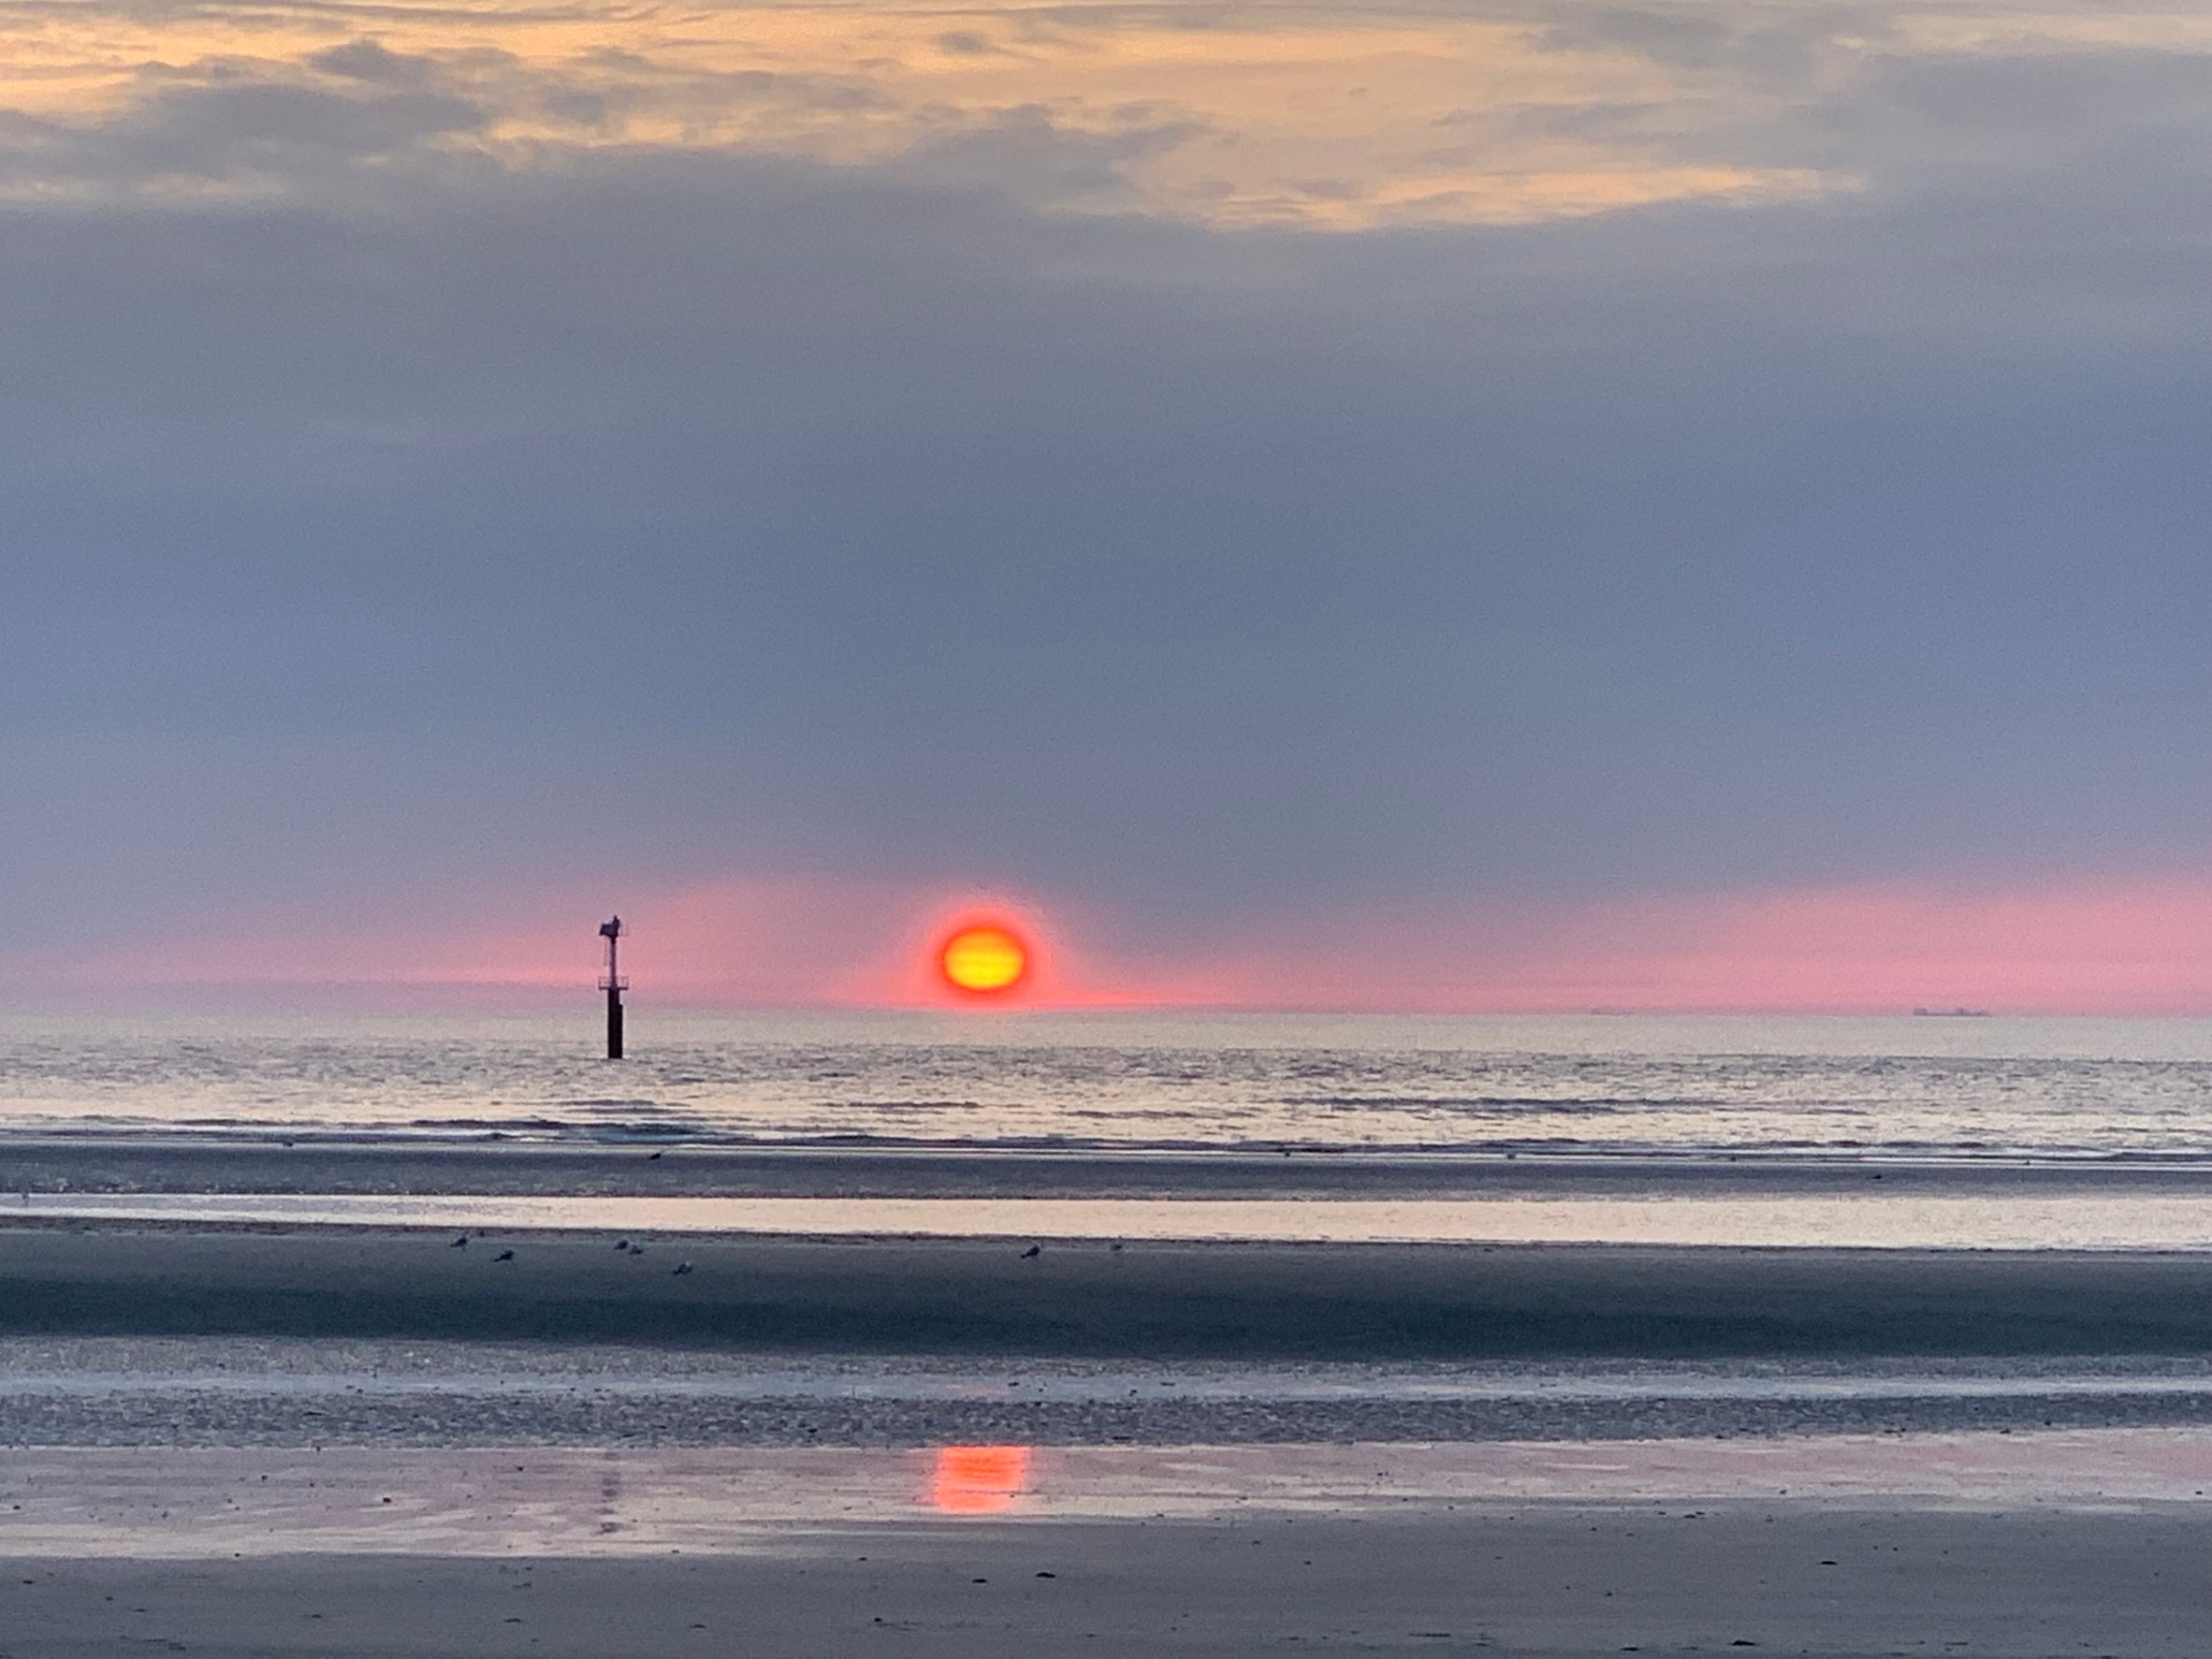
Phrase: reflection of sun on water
pixel 978 1479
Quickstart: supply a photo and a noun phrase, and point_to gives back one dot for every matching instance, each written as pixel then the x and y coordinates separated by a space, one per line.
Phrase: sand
pixel 334 1164
pixel 200 1428
pixel 1193 1300
pixel 1978 1544
pixel 192 1337
pixel 1878 1219
pixel 244 1392
pixel 1567 1580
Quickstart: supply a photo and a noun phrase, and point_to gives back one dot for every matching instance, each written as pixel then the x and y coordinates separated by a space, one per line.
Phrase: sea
pixel 1935 1086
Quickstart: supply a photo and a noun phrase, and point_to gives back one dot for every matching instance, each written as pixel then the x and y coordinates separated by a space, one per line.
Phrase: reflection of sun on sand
pixel 978 1479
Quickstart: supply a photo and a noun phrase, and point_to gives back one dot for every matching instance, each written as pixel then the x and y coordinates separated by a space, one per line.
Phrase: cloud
pixel 372 61
pixel 216 137
pixel 1253 116
pixel 407 502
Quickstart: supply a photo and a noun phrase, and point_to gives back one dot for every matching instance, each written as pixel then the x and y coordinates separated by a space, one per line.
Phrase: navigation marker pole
pixel 614 984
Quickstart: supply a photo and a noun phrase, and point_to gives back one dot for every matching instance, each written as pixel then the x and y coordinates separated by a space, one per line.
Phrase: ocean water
pixel 1940 1087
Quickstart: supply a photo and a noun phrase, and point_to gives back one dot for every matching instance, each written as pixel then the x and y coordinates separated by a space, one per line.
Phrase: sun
pixel 984 960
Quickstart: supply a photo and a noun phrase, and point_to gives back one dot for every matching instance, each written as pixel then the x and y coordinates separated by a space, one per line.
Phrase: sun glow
pixel 984 960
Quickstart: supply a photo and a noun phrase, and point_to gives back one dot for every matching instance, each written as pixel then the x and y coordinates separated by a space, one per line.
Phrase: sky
pixel 1457 507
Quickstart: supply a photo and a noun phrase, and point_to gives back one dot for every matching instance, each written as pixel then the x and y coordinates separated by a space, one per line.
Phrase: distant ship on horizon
pixel 1952 1013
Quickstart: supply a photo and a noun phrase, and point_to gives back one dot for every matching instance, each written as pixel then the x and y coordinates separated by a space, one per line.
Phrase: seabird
pixel 683 1267
pixel 1032 1251
pixel 504 1256
pixel 459 1242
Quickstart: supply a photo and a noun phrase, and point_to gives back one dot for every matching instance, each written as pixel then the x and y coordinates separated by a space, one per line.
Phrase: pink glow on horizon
pixel 762 940
pixel 2140 950
pixel 2115 947
pixel 2110 948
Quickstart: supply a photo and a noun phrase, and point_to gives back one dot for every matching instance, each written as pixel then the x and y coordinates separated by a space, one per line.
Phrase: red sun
pixel 983 959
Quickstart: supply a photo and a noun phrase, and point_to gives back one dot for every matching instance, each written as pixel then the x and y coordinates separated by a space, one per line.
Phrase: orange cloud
pixel 1292 116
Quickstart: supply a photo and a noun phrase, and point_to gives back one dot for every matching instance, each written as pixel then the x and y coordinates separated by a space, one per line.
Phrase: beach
pixel 1176 829
pixel 1984 1545
pixel 1573 1581
pixel 234 1422
pixel 1256 1298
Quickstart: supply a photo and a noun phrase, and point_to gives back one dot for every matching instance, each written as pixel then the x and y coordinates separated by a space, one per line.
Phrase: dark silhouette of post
pixel 614 984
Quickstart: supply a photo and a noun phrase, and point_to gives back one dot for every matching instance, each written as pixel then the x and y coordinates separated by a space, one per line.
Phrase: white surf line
pixel 1108 1388
pixel 2086 1221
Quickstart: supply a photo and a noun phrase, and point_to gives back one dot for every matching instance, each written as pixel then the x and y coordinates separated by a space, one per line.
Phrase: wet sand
pixel 334 1164
pixel 1567 1585
pixel 367 1443
pixel 1972 1545
pixel 236 1392
pixel 1876 1219
pixel 234 1503
pixel 1230 1301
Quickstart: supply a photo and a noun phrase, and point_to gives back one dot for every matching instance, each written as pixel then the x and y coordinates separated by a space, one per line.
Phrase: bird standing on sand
pixel 458 1243
pixel 683 1267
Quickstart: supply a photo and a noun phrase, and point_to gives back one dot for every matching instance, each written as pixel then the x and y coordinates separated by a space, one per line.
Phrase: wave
pixel 663 1133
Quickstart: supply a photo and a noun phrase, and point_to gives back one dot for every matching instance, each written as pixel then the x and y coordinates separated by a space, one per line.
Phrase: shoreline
pixel 276 1161
pixel 1873 1219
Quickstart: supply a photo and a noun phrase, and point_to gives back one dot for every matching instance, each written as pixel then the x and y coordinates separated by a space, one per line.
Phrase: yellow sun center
pixel 983 959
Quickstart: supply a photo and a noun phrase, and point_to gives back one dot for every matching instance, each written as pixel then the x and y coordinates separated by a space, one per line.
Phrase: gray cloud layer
pixel 393 527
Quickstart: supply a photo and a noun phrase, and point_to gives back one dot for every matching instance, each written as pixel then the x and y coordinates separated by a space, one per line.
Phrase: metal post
pixel 614 984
